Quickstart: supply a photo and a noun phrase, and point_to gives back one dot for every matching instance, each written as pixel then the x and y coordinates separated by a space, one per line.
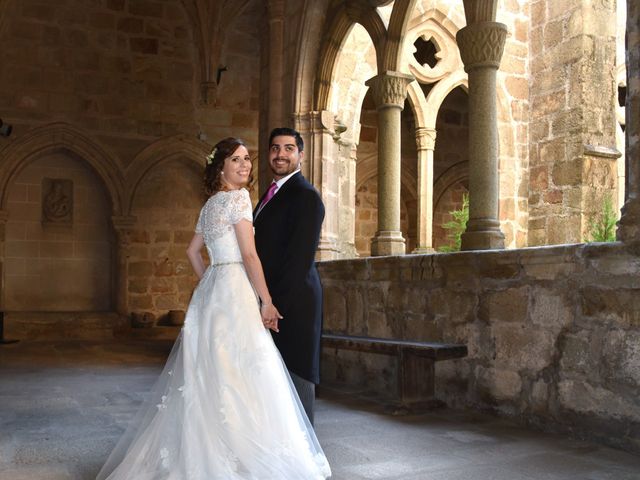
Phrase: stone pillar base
pixel 387 243
pixel 629 223
pixel 328 249
pixel 482 234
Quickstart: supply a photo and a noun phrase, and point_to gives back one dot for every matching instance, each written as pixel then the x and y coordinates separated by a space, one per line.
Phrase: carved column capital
pixel 122 224
pixel 481 44
pixel 389 89
pixel 426 138
pixel 276 10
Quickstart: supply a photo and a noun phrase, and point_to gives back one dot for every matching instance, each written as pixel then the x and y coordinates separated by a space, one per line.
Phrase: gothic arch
pixel 340 26
pixel 426 109
pixel 454 174
pixel 159 152
pixel 62 137
pixel 209 22
pixel 307 55
pixel 393 51
pixel 368 168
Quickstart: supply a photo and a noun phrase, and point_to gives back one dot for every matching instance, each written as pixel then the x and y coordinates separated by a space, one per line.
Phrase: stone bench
pixel 416 364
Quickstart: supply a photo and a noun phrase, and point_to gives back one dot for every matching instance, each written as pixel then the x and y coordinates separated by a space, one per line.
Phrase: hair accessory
pixel 211 156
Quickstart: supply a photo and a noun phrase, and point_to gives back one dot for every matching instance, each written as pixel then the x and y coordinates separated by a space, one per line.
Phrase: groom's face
pixel 284 156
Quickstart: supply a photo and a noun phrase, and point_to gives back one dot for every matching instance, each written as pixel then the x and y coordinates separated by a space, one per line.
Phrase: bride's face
pixel 236 169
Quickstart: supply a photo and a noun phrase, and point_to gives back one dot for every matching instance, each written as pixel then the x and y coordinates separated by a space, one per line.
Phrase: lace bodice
pixel 216 220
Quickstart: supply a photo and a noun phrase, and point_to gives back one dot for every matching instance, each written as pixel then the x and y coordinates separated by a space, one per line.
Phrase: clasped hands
pixel 270 316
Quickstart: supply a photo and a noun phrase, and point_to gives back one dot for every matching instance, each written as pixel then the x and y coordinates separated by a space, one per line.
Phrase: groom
pixel 287 223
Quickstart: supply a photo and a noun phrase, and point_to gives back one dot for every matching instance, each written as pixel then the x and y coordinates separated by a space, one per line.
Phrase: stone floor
pixel 63 404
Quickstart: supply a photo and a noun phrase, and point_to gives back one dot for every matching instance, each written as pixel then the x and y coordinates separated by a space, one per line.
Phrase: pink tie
pixel 270 193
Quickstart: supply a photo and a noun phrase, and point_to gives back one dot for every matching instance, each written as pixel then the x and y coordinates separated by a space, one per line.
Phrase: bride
pixel 224 407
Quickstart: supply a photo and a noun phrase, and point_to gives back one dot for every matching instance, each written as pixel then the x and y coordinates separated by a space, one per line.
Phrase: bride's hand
pixel 270 316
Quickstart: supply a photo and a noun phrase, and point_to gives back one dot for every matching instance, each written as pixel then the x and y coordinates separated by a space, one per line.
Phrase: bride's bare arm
pixel 193 252
pixel 246 242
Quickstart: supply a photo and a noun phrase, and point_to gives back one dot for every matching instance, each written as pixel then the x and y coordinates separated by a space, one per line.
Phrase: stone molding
pixel 602 152
pixel 426 138
pixel 389 89
pixel 482 45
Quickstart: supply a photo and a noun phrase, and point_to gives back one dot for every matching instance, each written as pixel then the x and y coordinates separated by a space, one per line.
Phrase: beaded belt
pixel 225 263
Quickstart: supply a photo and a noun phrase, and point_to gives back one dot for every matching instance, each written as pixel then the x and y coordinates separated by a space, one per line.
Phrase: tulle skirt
pixel 224 406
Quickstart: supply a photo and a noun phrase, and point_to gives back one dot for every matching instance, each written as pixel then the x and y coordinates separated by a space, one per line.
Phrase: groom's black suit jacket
pixel 287 231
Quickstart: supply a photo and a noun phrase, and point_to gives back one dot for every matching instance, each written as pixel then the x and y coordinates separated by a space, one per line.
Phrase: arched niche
pixel 59 244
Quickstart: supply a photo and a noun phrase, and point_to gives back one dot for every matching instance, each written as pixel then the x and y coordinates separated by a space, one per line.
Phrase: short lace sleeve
pixel 239 206
pixel 199 225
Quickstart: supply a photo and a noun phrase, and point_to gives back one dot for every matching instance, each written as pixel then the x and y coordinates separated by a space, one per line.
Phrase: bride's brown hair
pixel 215 162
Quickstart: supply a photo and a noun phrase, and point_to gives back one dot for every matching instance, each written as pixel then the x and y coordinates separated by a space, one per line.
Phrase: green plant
pixel 602 227
pixel 457 226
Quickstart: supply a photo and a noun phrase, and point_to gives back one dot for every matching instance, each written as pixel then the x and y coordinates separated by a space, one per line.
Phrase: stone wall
pixel 514 118
pixel 166 206
pixel 573 95
pixel 553 332
pixel 114 85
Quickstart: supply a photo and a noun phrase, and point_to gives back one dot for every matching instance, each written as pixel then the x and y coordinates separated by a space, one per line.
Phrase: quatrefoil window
pixel 426 51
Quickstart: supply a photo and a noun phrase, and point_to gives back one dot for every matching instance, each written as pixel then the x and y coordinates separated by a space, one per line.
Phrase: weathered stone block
pixel 505 306
pixel 550 309
pixel 499 384
pixel 166 302
pixel 163 268
pixel 147 46
pixel 334 309
pixel 453 307
pixel 552 34
pixel 145 8
pixel 355 307
pixel 617 305
pixel 115 4
pixel 138 285
pixel 520 347
pixel 583 397
pixel 139 236
pixel 565 229
pixel 549 103
pixel 140 269
pixel 540 396
pixel 162 285
pixel 567 173
pixel 579 354
pixel 140 302
pixel 378 324
pixel 621 355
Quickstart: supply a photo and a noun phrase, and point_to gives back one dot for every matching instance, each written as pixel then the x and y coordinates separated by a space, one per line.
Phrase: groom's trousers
pixel 307 393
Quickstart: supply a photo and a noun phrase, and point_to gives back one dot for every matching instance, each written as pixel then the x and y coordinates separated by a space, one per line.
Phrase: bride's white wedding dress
pixel 224 407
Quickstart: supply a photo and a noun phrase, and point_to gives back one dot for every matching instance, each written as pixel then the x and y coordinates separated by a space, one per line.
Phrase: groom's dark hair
pixel 290 132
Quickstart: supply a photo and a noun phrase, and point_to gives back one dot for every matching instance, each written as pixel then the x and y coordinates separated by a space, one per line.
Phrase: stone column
pixel 4 217
pixel 272 90
pixel 122 226
pixel 481 46
pixel 389 91
pixel 320 167
pixel 426 142
pixel 629 224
